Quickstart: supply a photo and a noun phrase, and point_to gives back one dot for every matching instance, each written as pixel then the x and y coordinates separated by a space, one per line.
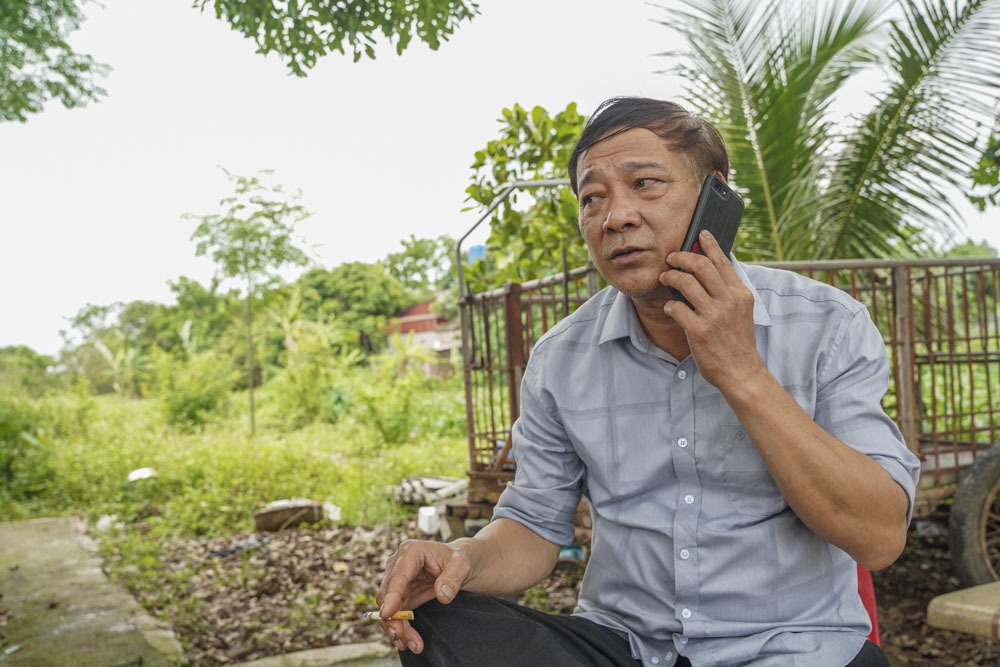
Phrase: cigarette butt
pixel 402 615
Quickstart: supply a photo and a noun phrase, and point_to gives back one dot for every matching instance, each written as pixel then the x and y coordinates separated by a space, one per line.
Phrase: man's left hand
pixel 720 329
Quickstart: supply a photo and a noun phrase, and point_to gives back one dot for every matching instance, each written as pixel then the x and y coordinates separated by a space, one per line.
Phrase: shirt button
pixel 689 499
pixel 682 442
pixel 669 656
pixel 684 640
pixel 685 554
pixel 655 660
pixel 681 375
pixel 686 613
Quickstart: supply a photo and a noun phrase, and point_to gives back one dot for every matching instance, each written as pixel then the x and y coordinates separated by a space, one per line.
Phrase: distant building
pixel 431 331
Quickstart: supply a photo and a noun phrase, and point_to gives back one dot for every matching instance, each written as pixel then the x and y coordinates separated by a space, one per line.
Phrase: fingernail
pixel 705 234
pixel 412 646
pixel 448 592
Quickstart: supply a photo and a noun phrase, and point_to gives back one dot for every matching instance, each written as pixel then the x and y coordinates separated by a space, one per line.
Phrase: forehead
pixel 627 151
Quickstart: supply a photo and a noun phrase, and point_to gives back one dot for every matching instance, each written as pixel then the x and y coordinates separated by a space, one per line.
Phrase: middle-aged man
pixel 734 451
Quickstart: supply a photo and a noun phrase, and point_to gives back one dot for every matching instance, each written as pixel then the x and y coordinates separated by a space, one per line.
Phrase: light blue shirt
pixel 695 551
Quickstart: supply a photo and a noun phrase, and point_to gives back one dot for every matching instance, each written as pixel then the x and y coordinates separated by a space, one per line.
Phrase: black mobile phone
pixel 718 210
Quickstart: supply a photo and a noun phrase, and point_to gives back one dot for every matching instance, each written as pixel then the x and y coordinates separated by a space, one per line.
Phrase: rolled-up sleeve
pixel 547 486
pixel 853 378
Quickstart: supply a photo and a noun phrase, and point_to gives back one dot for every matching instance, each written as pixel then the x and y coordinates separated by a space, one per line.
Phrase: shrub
pixel 193 390
pixel 25 458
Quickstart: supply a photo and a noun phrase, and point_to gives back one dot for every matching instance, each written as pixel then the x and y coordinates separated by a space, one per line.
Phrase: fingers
pixel 419 571
pixel 402 636
pixel 404 577
pixel 700 276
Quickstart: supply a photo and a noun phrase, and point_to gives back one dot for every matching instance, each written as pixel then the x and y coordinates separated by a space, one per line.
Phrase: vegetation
pixel 767 73
pixel 37 64
pixel 302 31
pixel 542 237
pixel 71 453
pixel 345 411
pixel 252 240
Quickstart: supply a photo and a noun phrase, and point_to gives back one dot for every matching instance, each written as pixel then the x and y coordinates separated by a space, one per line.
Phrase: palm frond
pixel 765 74
pixel 920 141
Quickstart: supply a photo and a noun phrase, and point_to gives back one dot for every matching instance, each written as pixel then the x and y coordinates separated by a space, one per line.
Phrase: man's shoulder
pixel 583 324
pixel 781 288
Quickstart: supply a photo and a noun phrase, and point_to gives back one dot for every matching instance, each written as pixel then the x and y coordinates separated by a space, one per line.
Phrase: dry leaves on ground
pixel 252 596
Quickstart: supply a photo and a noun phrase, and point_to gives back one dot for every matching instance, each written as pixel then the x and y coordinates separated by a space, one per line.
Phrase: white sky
pixel 92 199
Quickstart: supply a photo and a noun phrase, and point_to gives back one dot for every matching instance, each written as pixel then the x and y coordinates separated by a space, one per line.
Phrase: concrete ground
pixel 58 609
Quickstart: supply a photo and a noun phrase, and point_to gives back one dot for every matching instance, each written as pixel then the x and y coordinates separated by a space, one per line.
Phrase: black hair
pixel 698 142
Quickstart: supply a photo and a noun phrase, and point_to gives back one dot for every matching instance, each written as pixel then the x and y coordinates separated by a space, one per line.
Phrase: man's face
pixel 636 201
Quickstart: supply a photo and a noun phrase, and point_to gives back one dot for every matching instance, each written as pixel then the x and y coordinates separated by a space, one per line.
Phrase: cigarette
pixel 402 615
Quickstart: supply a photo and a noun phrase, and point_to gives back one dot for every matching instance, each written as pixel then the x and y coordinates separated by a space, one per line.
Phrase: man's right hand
pixel 503 558
pixel 418 571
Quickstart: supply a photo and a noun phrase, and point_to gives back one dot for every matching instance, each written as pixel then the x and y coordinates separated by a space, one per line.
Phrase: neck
pixel 663 331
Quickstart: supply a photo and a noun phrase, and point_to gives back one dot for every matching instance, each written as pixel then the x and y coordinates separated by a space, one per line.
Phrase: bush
pixel 312 386
pixel 25 458
pixel 192 391
pixel 397 398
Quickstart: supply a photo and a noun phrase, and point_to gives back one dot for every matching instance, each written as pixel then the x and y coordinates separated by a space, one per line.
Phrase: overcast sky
pixel 92 200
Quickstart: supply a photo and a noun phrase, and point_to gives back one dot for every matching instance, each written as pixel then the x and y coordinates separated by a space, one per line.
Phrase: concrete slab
pixel 63 610
pixel 975 610
pixel 369 654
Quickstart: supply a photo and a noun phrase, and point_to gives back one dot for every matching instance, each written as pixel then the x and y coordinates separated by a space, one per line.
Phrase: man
pixel 734 452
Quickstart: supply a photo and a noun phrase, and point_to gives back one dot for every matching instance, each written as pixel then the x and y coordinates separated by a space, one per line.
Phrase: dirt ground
pixel 254 596
pixel 903 592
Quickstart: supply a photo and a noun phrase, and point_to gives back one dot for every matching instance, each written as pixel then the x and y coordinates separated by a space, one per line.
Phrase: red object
pixel 866 588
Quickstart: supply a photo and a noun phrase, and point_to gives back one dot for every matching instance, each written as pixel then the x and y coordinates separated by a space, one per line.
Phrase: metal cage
pixel 940 319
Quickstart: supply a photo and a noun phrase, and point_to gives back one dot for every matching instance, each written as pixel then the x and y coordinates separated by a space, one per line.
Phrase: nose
pixel 622 215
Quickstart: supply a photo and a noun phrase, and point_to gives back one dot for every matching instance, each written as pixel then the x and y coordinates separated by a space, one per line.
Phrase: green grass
pixel 210 481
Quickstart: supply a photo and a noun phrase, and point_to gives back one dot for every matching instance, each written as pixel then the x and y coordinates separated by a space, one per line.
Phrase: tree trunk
pixel 253 423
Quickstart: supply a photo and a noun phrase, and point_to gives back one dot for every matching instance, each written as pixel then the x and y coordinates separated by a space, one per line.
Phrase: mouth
pixel 626 253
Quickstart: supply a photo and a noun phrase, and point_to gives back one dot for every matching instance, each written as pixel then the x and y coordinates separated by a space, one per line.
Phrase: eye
pixel 587 200
pixel 643 182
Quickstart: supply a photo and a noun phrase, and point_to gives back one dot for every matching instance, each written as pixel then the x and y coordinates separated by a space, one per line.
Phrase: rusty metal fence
pixel 940 320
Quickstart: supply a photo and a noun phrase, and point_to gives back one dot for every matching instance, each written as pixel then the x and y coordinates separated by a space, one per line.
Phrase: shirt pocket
pixel 749 485
pixel 626 450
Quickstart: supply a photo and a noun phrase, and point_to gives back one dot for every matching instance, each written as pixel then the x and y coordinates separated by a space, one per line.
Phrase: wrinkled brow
pixel 629 166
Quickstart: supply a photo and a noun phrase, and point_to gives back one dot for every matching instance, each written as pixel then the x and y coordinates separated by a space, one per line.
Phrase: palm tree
pixel 767 71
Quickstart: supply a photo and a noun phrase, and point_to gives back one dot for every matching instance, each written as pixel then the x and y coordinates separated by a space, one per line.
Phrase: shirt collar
pixel 622 321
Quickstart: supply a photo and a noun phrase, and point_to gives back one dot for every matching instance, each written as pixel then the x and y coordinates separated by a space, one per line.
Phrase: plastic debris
pixel 142 473
pixel 252 542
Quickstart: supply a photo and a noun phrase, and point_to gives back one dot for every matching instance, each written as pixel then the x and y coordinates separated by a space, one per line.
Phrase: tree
pixel 986 174
pixel 37 64
pixel 93 325
pixel 766 73
pixel 527 242
pixel 23 369
pixel 251 241
pixel 301 31
pixel 424 266
pixel 356 296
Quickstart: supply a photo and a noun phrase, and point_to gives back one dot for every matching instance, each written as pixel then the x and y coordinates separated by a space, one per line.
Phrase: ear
pixel 720 175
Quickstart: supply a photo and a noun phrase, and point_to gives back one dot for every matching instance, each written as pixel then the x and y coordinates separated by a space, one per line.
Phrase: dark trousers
pixel 481 631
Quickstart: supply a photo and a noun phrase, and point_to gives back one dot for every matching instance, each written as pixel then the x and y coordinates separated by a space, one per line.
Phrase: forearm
pixel 844 496
pixel 506 558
